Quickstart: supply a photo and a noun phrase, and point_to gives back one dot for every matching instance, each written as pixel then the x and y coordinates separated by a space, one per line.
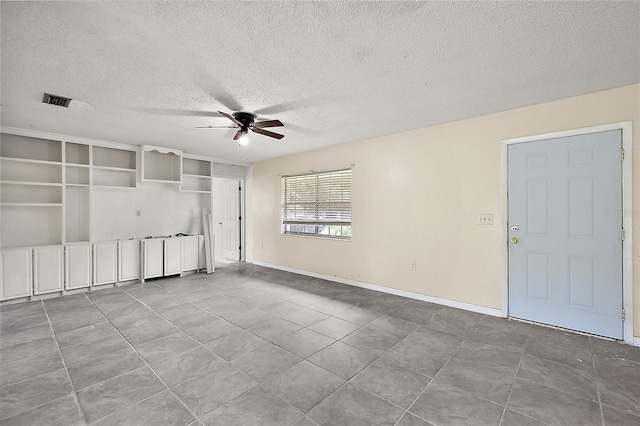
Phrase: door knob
pixel 514 240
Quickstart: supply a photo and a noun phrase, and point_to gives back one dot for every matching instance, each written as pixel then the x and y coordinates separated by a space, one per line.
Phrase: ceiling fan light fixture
pixel 244 139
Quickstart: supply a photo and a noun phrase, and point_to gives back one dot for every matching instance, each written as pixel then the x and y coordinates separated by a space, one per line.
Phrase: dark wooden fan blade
pixel 216 127
pixel 231 117
pixel 267 133
pixel 237 136
pixel 269 123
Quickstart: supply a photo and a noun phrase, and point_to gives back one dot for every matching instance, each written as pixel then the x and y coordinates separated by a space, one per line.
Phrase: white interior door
pixel 565 232
pixel 230 220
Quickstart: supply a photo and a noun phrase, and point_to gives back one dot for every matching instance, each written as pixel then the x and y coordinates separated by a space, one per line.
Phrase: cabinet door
pixel 47 269
pixel 172 256
pixel 128 260
pixel 153 253
pixel 190 253
pixel 77 266
pixel 15 273
pixel 104 263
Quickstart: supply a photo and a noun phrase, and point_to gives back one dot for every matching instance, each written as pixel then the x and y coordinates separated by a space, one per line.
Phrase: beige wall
pixel 416 196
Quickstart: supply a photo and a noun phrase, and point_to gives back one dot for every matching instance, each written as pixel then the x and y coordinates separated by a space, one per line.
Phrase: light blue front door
pixel 565 210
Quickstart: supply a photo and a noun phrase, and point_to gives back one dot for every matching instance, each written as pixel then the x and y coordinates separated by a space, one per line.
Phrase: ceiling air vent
pixel 56 100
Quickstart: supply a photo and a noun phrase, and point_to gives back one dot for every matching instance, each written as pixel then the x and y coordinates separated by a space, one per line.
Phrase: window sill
pixel 315 237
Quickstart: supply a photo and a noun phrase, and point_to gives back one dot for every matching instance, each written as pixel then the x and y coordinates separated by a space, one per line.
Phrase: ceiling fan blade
pixel 269 123
pixel 267 133
pixel 237 136
pixel 231 117
pixel 216 127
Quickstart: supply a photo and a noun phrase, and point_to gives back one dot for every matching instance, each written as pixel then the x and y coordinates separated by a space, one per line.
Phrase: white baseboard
pixel 636 341
pixel 403 293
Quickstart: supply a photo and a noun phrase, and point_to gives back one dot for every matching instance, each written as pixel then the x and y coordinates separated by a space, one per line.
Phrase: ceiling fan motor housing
pixel 246 118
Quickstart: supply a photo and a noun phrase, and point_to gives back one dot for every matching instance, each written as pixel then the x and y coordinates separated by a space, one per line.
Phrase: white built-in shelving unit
pixel 161 164
pixel 196 175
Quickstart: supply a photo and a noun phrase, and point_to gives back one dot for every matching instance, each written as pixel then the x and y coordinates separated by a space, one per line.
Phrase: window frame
pixel 315 204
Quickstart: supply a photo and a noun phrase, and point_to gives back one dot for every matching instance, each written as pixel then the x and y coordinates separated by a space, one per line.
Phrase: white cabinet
pixel 47 269
pixel 153 257
pixel 190 249
pixel 104 262
pixel 128 260
pixel 172 256
pixel 15 273
pixel 77 266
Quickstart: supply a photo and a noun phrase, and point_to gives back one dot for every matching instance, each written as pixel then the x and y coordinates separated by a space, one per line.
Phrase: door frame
pixel 627 214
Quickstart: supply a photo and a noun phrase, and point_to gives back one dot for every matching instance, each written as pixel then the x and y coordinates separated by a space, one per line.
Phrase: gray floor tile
pixel 115 394
pixel 160 300
pixel 211 390
pixel 179 311
pixel 255 408
pixel 551 406
pixel 181 367
pixel 67 302
pixel 392 382
pixel 197 295
pixel 304 385
pixel 160 409
pixel 395 326
pixel 614 417
pixel 482 370
pixel 28 368
pixel 23 336
pixel 559 376
pixel 13 322
pixel 75 318
pixel 124 309
pixel 305 421
pixel 274 329
pixel 159 349
pixel 603 347
pixel 234 345
pixel 86 334
pixel 304 317
pixel 330 307
pixel 335 328
pixel 617 368
pixel 23 396
pixel 624 396
pixel 414 315
pixel 304 343
pixel 60 412
pixel 86 352
pixel 27 350
pixel 280 308
pixel 368 339
pixel 425 351
pixel 265 362
pixel 17 310
pixel 212 331
pixel 454 321
pixel 512 418
pixel 352 406
pixel 134 321
pixel 409 419
pixel 140 335
pixel 104 368
pixel 561 347
pixel 195 320
pixel 358 315
pixel 447 405
pixel 342 360
pixel 248 318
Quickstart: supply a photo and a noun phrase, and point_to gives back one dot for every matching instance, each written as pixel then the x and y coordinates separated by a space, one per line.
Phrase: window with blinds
pixel 317 204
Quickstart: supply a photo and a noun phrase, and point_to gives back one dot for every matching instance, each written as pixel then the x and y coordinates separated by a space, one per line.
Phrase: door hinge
pixel 622 234
pixel 240 218
pixel 624 315
pixel 622 153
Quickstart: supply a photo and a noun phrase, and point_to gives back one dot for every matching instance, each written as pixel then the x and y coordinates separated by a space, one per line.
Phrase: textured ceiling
pixel 333 72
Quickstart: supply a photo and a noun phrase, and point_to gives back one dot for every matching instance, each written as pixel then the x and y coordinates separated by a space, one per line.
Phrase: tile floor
pixel 255 346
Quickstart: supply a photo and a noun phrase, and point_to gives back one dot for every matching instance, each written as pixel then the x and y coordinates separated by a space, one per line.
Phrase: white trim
pixel 627 217
pixel 389 290
pixel 98 142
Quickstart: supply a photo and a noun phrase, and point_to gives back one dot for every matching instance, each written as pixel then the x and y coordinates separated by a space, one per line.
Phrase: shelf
pixel 113 157
pixel 26 160
pixel 196 176
pixel 113 187
pixel 15 182
pixel 197 192
pixel 115 169
pixel 77 184
pixel 77 165
pixel 30 204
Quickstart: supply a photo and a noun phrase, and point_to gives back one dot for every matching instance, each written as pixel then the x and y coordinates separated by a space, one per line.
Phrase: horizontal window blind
pixel 317 198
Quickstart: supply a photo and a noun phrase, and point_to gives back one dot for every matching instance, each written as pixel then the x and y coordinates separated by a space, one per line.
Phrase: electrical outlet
pixel 412 265
pixel 485 219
